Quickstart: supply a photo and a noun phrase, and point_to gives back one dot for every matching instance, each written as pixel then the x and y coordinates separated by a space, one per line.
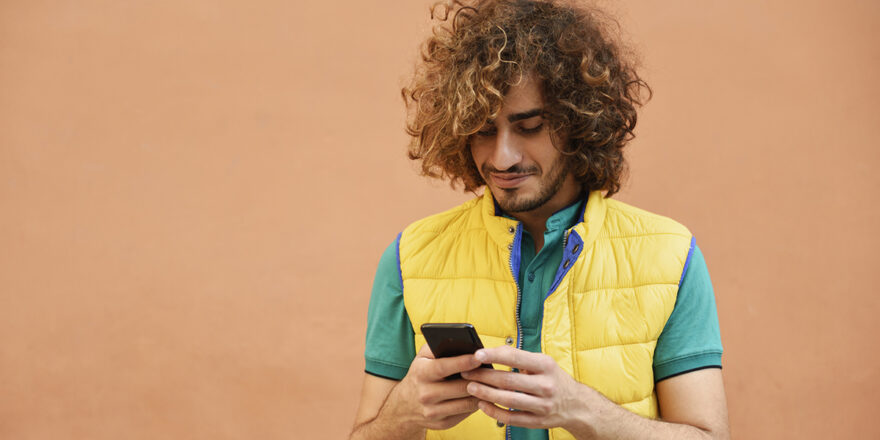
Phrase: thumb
pixel 448 366
pixel 425 352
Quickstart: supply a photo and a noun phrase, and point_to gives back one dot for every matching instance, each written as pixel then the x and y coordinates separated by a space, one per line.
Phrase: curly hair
pixel 478 50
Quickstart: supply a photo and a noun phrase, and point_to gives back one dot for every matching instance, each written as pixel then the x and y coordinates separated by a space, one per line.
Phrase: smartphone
pixel 447 340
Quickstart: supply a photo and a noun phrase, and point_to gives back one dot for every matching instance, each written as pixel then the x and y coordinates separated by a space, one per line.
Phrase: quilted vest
pixel 612 295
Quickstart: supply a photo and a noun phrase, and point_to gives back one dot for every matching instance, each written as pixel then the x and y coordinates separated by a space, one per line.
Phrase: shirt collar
pixel 565 218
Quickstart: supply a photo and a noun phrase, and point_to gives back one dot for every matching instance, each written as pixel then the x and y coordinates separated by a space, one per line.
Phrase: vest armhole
pixel 400 271
pixel 687 260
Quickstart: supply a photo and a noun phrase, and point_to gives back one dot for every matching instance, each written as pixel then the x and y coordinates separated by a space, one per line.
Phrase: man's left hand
pixel 543 394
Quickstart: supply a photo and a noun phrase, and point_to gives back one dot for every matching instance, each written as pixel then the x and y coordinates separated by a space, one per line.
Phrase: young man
pixel 599 317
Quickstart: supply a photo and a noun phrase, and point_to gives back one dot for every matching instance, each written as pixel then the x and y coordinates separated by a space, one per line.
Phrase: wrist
pixel 399 411
pixel 580 421
pixel 595 416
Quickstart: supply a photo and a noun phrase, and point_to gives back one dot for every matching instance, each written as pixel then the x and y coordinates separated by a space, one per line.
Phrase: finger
pixel 512 357
pixel 538 385
pixel 514 418
pixel 432 393
pixel 425 352
pixel 510 399
pixel 448 422
pixel 444 367
pixel 451 408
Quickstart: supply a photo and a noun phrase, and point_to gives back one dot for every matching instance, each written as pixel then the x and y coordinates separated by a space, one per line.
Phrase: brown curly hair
pixel 478 50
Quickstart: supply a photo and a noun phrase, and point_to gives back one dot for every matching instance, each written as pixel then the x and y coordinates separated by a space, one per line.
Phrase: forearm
pixel 388 423
pixel 612 421
pixel 382 428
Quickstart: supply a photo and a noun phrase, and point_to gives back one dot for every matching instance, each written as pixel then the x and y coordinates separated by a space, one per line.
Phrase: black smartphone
pixel 456 339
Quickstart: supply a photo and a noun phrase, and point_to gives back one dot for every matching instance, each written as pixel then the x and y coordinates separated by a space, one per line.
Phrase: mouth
pixel 508 180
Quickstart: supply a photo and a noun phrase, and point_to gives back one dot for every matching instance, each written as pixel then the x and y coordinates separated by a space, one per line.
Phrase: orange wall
pixel 194 196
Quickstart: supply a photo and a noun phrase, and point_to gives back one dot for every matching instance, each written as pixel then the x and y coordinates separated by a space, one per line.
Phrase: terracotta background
pixel 194 196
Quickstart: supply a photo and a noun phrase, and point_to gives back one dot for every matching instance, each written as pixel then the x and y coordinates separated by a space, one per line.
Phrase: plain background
pixel 194 196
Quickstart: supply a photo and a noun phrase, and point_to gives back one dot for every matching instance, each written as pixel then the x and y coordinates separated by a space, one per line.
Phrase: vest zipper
pixel 513 271
pixel 519 296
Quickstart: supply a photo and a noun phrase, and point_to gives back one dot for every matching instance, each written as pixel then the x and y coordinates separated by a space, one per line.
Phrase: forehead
pixel 523 96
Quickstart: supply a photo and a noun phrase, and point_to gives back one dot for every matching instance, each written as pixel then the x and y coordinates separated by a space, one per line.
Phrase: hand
pixel 427 400
pixel 543 394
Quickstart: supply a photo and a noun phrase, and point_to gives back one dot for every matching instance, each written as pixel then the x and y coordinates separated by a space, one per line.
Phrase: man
pixel 599 317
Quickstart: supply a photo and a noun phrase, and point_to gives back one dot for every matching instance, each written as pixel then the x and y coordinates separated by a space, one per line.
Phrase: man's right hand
pixel 424 399
pixel 431 401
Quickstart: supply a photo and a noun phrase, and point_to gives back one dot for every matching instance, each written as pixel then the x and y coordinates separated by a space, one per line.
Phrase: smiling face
pixel 516 156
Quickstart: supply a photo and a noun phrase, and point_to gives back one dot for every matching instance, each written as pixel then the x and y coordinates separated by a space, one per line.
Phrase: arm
pixel 424 399
pixel 374 393
pixel 697 399
pixel 693 404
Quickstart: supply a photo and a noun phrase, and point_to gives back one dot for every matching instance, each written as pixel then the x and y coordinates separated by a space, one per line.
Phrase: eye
pixel 486 131
pixel 531 130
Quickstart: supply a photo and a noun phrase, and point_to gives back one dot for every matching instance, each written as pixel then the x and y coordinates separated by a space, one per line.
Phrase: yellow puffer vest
pixel 614 291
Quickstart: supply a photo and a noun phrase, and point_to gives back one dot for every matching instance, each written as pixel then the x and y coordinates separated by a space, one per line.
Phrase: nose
pixel 506 153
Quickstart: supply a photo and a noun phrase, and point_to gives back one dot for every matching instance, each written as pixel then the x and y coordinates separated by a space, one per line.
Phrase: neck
pixel 535 221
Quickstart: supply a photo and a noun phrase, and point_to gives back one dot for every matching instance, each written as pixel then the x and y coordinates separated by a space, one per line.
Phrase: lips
pixel 508 180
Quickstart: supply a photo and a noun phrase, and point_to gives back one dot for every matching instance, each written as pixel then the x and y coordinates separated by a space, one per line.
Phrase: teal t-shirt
pixel 691 339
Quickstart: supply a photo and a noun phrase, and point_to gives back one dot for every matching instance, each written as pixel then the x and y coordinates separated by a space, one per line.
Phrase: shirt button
pixel 499 423
pixel 532 276
pixel 575 248
pixel 566 264
pixel 511 229
pixel 508 341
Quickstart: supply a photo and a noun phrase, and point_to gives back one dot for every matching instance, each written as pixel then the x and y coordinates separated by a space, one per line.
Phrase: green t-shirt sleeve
pixel 390 346
pixel 691 339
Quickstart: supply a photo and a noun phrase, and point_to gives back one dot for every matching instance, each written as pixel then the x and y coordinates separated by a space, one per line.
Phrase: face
pixel 516 156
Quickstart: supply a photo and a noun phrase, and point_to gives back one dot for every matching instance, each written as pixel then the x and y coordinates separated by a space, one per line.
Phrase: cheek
pixel 479 154
pixel 545 153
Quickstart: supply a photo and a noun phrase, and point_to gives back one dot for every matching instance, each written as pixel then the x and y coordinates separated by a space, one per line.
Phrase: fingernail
pixel 472 387
pixel 480 355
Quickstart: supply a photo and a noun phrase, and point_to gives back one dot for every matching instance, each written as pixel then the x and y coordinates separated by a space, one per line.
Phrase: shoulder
pixel 440 234
pixel 440 222
pixel 624 219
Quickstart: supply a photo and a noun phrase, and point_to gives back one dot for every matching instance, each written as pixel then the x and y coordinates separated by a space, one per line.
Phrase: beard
pixel 512 200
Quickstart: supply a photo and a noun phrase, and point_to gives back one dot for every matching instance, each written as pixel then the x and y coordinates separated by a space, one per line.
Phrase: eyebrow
pixel 525 115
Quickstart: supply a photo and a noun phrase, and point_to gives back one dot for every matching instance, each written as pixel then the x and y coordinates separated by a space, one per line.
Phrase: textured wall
pixel 194 196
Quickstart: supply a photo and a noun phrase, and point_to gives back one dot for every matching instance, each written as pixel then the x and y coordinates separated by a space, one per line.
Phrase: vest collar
pixel 593 219
pixel 503 229
pixel 500 228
